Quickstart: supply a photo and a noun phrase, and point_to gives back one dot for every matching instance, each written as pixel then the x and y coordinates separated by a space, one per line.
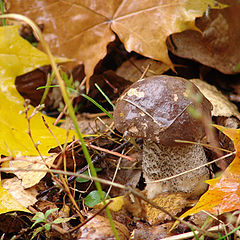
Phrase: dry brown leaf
pixel 221 105
pixel 174 203
pixel 133 69
pixel 218 44
pixel 81 29
pixel 30 179
pixel 152 232
pixel 26 197
pixel 100 228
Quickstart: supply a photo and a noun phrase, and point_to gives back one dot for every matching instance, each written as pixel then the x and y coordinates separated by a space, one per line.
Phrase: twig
pixel 145 71
pixel 49 129
pixel 114 176
pixel 191 234
pixel 111 152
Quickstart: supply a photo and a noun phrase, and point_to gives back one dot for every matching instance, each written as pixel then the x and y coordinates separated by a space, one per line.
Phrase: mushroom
pixel 157 109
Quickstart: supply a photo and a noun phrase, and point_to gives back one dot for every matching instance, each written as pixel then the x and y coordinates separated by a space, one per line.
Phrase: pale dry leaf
pixel 26 197
pixel 100 228
pixel 174 203
pixel 8 203
pixel 30 179
pixel 152 232
pixel 81 29
pixel 133 69
pixel 218 44
pixel 221 105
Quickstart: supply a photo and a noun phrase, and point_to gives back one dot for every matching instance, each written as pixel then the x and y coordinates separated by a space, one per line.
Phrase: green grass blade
pixel 106 97
pixel 2 11
pixel 97 104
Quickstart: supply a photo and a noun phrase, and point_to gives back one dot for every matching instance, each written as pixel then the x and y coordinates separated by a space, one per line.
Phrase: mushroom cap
pixel 156 108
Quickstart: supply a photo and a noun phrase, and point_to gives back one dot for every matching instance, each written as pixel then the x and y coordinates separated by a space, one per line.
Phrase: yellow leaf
pixel 115 205
pixel 29 179
pixel 17 57
pixel 8 203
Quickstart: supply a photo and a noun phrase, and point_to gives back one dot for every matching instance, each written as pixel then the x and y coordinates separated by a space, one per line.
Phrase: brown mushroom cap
pixel 155 108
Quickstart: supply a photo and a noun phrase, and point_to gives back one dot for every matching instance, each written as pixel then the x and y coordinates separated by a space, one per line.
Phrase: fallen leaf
pixel 8 203
pixel 174 203
pixel 30 179
pixel 217 45
pixel 223 194
pixel 221 105
pixel 82 29
pixel 26 197
pixel 100 228
pixel 152 232
pixel 115 205
pixel 133 69
pixel 17 57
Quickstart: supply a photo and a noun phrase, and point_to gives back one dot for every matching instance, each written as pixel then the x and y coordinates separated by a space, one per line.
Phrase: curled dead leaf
pixel 218 44
pixel 26 197
pixel 221 105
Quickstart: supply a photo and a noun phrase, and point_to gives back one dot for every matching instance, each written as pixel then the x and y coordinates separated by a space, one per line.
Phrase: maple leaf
pixel 82 29
pixel 223 194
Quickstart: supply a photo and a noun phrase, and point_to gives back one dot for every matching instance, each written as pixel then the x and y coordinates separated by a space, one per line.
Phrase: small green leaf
pixel 93 198
pixel 83 180
pixel 61 220
pixel 50 211
pixel 47 226
pixel 236 68
pixel 36 231
pixel 39 220
pixel 38 215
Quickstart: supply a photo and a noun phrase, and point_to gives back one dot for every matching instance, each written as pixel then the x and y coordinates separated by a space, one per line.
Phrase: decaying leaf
pixel 221 105
pixel 152 232
pixel 133 69
pixel 99 228
pixel 17 56
pixel 174 203
pixel 223 194
pixel 30 179
pixel 8 203
pixel 81 29
pixel 26 197
pixel 218 44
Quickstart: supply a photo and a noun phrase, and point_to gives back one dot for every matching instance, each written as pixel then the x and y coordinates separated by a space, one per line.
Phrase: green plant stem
pixel 46 90
pixel 70 108
pixel 2 11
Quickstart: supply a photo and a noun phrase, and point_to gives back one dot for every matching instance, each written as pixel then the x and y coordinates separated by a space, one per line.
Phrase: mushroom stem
pixel 161 161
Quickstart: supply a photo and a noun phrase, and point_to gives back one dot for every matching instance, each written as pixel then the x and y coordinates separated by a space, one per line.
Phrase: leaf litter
pixel 82 31
pixel 118 13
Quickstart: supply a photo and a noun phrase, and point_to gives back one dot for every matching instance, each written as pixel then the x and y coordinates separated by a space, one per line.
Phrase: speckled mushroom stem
pixel 160 161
